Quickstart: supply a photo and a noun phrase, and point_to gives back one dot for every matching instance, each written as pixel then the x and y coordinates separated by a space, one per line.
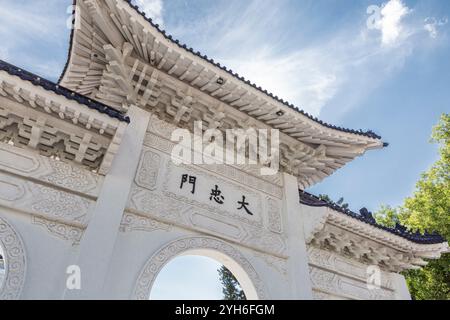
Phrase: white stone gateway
pixel 92 205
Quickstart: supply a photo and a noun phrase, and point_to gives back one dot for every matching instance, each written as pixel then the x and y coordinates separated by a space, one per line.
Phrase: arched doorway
pixel 217 250
pixel 188 277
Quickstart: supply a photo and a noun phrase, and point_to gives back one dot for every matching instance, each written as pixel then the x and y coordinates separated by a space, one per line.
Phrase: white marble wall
pixel 53 215
pixel 334 277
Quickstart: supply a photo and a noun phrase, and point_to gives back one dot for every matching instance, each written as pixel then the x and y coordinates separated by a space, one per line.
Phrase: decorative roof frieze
pixel 37 114
pixel 366 217
pixel 381 251
pixel 334 228
pixel 20 91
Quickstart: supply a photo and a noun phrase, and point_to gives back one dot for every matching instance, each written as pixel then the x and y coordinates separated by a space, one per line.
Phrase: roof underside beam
pixel 157 74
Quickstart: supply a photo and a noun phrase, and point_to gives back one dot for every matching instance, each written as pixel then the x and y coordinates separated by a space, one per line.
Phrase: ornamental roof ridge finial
pixel 60 90
pixel 366 214
pixel 401 228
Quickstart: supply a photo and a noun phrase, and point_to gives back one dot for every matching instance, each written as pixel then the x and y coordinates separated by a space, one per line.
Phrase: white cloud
pixel 237 36
pixel 390 23
pixel 347 64
pixel 153 9
pixel 19 20
pixel 432 24
pixel 307 78
pixel 28 33
pixel 337 72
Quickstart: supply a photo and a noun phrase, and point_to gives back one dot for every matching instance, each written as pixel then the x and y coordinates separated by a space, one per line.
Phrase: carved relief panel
pixel 337 277
pixel 222 200
pixel 29 164
pixel 57 196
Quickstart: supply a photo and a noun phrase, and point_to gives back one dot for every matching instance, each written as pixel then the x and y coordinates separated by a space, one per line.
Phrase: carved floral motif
pixel 131 222
pixel 58 204
pixel 29 164
pixel 274 213
pixel 71 177
pixel 15 258
pixel 60 230
pixel 147 173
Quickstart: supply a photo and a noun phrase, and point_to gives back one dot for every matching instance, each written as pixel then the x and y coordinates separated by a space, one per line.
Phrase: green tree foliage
pixel 230 286
pixel 429 209
pixel 387 216
pixel 340 202
pixel 325 197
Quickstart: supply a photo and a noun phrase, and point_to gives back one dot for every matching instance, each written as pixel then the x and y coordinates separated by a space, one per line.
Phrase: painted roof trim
pixel 369 133
pixel 59 90
pixel 365 216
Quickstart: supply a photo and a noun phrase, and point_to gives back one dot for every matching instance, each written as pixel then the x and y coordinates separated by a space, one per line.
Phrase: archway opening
pixel 202 275
pixel 2 266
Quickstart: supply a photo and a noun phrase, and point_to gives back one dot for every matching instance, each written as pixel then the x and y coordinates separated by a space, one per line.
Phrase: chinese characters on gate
pixel 216 194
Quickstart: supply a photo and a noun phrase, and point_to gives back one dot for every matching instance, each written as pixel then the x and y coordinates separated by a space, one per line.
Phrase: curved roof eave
pixel 369 133
pixel 311 200
pixel 62 91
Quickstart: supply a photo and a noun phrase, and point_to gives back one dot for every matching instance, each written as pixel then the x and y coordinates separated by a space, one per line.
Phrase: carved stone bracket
pixel 127 80
pixel 315 219
pixel 63 129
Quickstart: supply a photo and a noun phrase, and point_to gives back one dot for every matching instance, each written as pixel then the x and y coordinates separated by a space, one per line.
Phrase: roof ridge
pixel 62 91
pixel 368 133
pixel 365 216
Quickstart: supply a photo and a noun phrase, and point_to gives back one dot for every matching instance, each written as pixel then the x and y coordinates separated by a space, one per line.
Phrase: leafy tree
pixel 429 209
pixel 387 216
pixel 340 202
pixel 231 288
pixel 325 197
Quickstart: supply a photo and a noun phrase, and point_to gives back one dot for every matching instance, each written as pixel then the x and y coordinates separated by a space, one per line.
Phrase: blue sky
pixel 391 76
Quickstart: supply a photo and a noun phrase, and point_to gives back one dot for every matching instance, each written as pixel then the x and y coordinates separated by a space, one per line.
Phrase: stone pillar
pixel 298 269
pixel 401 289
pixel 97 245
